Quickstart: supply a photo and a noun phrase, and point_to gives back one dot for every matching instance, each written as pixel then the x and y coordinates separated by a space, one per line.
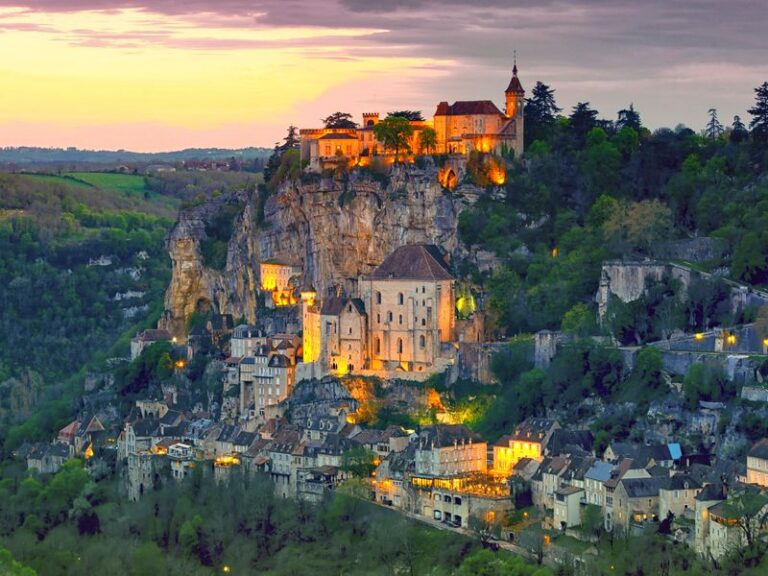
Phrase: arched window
pixel 422 342
pixel 389 316
pixel 378 297
pixel 423 321
pixel 399 345
pixel 400 319
pixel 378 318
pixel 378 345
pixel 400 298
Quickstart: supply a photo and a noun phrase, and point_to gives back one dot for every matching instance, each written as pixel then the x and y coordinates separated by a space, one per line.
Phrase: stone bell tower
pixel 515 97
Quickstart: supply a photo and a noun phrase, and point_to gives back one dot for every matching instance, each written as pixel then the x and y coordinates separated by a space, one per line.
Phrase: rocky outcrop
pixel 334 230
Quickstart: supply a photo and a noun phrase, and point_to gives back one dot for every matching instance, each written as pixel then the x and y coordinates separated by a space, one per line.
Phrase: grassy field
pixel 128 186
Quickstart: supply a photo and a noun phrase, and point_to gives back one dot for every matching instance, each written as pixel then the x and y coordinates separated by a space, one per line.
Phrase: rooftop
pixel 413 262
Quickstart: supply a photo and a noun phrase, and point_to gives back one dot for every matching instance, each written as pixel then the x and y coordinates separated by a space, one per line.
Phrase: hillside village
pixel 331 373
pixel 292 404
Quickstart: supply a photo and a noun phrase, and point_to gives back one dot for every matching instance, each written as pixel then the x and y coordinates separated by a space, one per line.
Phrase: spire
pixel 514 84
pixel 514 60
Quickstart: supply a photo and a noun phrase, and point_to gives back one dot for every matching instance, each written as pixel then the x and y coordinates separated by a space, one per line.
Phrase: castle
pixel 402 320
pixel 460 128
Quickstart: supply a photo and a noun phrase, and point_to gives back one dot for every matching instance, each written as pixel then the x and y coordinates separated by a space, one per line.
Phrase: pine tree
pixel 759 112
pixel 714 128
pixel 739 132
pixel 629 117
pixel 540 112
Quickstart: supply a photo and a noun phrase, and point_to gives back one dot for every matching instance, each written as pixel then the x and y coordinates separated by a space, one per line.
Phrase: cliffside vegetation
pixel 592 189
pixel 83 266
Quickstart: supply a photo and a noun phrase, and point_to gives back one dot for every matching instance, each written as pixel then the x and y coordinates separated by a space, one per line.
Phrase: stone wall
pixel 702 249
pixel 334 230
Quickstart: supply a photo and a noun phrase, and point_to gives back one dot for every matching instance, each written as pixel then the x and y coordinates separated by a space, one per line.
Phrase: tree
pixel 360 462
pixel 412 115
pixel 637 225
pixel 339 120
pixel 485 526
pixel 714 128
pixel 749 263
pixel 579 321
pixel 428 140
pixel 583 119
pixel 739 132
pixel 759 113
pixel 394 133
pixel 629 117
pixel 540 112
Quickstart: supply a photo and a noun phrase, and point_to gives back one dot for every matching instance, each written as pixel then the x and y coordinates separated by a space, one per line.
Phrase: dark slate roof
pixel 562 439
pixel 466 107
pixel 760 449
pixel 222 322
pixel 711 492
pixel 600 471
pixel 332 306
pixel 643 487
pixel 170 417
pixel 145 427
pixel 514 83
pixel 244 438
pixel 682 482
pixel 154 335
pixel 413 262
pixel 358 305
pixel 532 429
pixel 443 435
pixel 246 331
pixel 279 361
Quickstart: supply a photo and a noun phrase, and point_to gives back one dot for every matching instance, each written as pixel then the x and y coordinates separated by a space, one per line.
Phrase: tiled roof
pixel 153 335
pixel 337 137
pixel 332 306
pixel 514 84
pixel 467 107
pixel 643 487
pixel 413 262
pixel 760 449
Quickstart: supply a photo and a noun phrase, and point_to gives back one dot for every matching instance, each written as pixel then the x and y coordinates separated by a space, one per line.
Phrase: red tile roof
pixel 463 108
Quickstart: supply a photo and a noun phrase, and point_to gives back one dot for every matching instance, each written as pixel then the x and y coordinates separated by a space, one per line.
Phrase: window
pixel 349 308
pixel 423 322
pixel 457 500
pixel 350 329
pixel 400 319
pixel 399 345
pixel 378 345
pixel 378 297
pixel 378 318
pixel 422 342
pixel 400 298
pixel 423 289
pixel 327 149
pixel 389 316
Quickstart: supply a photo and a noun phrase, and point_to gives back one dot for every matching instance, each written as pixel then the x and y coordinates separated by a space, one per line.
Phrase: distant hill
pixel 31 155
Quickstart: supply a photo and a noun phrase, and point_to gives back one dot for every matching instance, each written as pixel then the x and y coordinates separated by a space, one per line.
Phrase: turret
pixel 515 96
pixel 370 119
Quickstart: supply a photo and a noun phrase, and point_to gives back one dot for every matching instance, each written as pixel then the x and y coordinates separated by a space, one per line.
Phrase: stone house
pixel 594 482
pixel 567 506
pixel 528 440
pixel 449 450
pixel 636 501
pixel 757 463
pixel 147 338
pixel 48 458
pixel 678 496
pixel 709 496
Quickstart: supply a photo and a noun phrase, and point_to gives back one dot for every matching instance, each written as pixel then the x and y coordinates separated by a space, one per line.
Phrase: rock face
pixel 335 231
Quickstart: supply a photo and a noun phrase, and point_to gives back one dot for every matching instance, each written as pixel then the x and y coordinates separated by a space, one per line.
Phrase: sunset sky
pixel 165 74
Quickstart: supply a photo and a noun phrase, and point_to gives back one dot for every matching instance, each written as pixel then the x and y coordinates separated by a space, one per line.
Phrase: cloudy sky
pixel 167 74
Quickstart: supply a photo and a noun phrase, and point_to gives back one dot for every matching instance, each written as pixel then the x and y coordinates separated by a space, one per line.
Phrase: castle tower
pixel 370 119
pixel 515 97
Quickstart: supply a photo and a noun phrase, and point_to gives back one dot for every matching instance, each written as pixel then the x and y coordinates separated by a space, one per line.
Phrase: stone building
pixel 528 440
pixel 460 128
pixel 403 320
pixel 757 464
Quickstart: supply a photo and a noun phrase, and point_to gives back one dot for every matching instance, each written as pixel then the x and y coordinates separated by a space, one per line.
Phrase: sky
pixel 153 75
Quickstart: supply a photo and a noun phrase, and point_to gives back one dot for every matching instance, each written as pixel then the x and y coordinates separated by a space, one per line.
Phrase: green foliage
pixel 359 462
pixel 394 133
pixel 487 563
pixel 153 366
pixel 218 232
pixel 10 567
pixel 706 381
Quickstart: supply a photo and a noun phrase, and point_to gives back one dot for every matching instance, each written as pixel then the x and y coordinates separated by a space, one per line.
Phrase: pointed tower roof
pixel 514 84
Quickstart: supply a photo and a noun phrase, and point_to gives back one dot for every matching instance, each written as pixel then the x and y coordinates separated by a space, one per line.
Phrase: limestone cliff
pixel 335 230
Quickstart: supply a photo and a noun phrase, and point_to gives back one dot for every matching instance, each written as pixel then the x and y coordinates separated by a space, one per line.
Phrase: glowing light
pixel 89 452
pixel 699 336
pixel 226 569
pixel 555 252
pixel 731 339
pixel 447 178
pixel 227 461
pixel 180 364
pixel 497 171
pixel 765 341
pixel 174 340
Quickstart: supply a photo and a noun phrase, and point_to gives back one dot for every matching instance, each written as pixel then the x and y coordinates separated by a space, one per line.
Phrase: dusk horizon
pixel 152 77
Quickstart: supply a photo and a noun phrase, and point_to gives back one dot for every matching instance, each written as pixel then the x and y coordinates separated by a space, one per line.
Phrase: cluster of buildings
pixel 459 128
